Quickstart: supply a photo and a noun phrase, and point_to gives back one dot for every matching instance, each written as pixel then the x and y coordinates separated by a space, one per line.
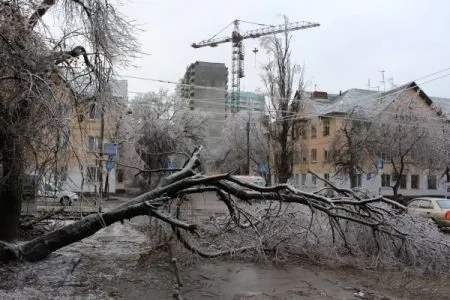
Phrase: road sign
pixel 171 165
pixel 109 165
pixel 263 168
pixel 379 163
pixel 110 149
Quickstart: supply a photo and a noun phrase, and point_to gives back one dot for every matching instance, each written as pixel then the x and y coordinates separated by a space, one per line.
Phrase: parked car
pixel 256 180
pixel 437 209
pixel 33 187
pixel 48 190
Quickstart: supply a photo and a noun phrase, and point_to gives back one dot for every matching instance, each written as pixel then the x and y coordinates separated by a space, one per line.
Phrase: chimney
pixel 319 95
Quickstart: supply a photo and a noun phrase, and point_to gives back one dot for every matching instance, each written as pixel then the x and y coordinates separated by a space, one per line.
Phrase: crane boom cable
pixel 222 30
pixel 236 38
pixel 254 23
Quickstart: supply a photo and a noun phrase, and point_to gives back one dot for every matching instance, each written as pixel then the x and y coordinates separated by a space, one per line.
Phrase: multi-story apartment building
pixel 327 115
pixel 90 131
pixel 205 86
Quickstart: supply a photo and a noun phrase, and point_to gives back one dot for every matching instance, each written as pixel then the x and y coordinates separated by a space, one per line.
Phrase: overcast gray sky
pixel 356 40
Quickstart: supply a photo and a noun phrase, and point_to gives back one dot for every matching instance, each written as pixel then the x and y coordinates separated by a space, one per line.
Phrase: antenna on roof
pixel 382 80
pixel 391 82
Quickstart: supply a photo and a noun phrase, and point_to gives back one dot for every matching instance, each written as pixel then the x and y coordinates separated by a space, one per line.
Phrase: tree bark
pixel 184 181
pixel 42 246
pixel 12 188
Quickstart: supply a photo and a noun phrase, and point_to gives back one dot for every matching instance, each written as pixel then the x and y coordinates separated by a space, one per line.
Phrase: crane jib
pixel 238 49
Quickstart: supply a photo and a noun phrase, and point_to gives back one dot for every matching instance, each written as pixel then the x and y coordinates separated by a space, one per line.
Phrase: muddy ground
pixel 119 263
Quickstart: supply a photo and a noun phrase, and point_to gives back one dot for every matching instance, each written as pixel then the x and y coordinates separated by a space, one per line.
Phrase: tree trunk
pixel 395 192
pixel 447 174
pixel 12 188
pixel 353 182
pixel 42 246
pixel 284 172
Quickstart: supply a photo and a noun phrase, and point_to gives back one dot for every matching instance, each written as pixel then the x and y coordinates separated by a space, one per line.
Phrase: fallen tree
pixel 278 220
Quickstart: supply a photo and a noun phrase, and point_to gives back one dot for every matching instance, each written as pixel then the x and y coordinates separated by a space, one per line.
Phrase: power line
pixel 222 89
pixel 303 116
pixel 211 101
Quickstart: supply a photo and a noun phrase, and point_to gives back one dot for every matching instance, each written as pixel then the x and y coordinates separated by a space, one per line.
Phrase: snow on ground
pixel 107 265
pixel 115 264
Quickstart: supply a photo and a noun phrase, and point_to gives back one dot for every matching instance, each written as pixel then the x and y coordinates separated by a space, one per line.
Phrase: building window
pixel 120 175
pixel 303 179
pixel 314 179
pixel 386 156
pixel 93 173
pixel 313 132
pixel 313 155
pixel 326 154
pixel 432 182
pixel 415 181
pixel 93 143
pixel 304 154
pixel 94 112
pixel 326 127
pixel 297 179
pixel 326 176
pixel 303 132
pixel 403 182
pixel 385 180
pixel 358 180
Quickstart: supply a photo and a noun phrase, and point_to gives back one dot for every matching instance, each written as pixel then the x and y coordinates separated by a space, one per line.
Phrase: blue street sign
pixel 379 163
pixel 110 149
pixel 109 165
pixel 263 168
pixel 171 165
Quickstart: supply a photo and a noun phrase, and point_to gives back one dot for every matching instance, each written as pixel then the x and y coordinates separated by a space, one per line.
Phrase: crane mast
pixel 237 53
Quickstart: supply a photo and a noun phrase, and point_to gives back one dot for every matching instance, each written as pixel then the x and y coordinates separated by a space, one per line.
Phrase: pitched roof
pixel 444 104
pixel 365 102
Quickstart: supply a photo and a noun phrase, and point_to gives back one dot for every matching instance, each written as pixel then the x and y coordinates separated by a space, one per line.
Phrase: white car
pixel 48 190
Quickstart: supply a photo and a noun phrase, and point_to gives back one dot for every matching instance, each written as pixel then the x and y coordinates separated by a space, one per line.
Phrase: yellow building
pixel 328 113
pixel 87 168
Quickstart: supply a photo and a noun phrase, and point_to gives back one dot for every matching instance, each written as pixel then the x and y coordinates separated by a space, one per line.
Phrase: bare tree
pixel 441 134
pixel 277 220
pixel 284 84
pixel 231 155
pixel 348 147
pixel 404 138
pixel 165 126
pixel 45 69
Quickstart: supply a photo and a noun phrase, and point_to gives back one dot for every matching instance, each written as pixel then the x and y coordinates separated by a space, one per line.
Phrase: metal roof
pixel 364 102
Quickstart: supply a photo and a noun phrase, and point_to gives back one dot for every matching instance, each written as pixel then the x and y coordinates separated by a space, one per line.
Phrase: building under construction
pixel 205 87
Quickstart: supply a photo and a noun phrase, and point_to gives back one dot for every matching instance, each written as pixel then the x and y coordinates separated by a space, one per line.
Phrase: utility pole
pixel 100 163
pixel 249 107
pixel 248 147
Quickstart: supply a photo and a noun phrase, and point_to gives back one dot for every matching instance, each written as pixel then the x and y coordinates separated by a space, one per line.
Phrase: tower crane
pixel 236 38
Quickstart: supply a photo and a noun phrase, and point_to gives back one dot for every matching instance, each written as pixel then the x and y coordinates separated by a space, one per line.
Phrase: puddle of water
pixel 225 280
